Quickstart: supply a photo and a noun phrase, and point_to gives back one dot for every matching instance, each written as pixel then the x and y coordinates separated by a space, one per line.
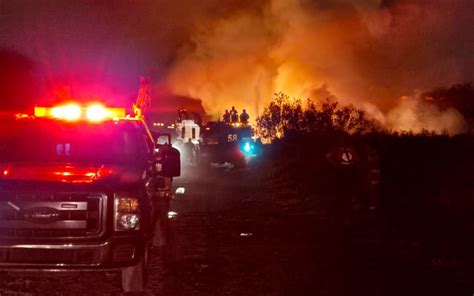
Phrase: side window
pixel 133 143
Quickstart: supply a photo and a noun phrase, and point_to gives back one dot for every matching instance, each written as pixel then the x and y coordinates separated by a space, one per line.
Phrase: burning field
pixel 382 56
pixel 365 186
pixel 377 55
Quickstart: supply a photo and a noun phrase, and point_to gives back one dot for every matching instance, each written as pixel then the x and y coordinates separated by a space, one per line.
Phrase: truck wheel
pixel 134 278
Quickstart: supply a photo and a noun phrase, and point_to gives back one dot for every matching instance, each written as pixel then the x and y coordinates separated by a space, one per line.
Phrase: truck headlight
pixel 127 213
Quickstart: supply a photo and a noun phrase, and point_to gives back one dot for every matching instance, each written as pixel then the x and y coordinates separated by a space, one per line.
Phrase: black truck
pixel 82 194
pixel 224 142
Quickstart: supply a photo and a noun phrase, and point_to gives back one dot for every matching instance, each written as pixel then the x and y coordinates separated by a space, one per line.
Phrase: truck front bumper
pixel 112 254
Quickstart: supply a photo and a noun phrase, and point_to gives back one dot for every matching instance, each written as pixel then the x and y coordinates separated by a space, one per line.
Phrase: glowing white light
pixel 245 234
pixel 247 147
pixel 180 190
pixel 96 113
pixel 172 215
pixel 68 112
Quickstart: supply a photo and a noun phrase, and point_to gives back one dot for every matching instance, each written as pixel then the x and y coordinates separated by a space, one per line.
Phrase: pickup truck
pixel 82 189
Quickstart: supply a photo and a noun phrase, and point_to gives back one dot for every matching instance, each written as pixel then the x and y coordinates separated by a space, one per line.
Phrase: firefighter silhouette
pixel 190 152
pixel 244 117
pixel 226 116
pixel 234 115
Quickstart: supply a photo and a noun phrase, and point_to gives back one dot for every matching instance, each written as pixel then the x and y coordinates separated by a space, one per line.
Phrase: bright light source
pixel 20 116
pixel 127 221
pixel 68 112
pixel 127 213
pixel 63 173
pixel 247 147
pixel 172 215
pixel 180 190
pixel 96 113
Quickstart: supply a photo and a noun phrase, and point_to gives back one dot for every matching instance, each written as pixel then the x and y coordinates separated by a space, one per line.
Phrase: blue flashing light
pixel 248 148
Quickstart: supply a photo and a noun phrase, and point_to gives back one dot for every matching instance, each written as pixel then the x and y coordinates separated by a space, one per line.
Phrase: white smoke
pixel 417 115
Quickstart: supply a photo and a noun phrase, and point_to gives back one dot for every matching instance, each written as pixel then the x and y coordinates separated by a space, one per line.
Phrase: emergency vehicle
pixel 216 141
pixel 188 127
pixel 82 188
pixel 223 142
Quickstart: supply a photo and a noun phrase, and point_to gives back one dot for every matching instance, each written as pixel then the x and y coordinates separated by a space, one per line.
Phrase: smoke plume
pixel 368 53
pixel 417 115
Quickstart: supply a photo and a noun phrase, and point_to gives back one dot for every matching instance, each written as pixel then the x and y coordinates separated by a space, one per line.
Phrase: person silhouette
pixel 190 151
pixel 226 116
pixel 234 115
pixel 244 117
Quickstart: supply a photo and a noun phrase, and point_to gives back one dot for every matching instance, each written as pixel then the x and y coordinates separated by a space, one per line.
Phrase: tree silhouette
pixel 284 116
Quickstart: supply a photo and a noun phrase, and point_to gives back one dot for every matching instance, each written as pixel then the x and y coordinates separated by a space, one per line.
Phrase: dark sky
pixel 92 44
pixel 103 42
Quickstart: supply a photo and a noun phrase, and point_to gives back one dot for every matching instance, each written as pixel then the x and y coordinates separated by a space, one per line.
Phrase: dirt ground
pixel 232 237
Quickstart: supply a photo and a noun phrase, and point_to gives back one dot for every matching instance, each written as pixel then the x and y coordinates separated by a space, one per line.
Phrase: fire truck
pixel 227 142
pixel 216 141
pixel 188 127
pixel 82 188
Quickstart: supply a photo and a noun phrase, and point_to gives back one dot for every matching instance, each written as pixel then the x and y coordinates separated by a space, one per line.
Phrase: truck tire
pixel 134 278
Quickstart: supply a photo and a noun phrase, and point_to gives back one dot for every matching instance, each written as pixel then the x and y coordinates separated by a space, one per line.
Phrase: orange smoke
pixel 363 53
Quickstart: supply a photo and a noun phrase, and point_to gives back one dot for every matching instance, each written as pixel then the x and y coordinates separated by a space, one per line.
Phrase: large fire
pixel 365 53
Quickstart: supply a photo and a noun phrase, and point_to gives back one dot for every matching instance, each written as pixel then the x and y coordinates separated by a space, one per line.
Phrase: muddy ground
pixel 232 236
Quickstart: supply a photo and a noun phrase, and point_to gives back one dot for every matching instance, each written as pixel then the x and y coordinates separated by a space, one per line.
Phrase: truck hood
pixel 69 174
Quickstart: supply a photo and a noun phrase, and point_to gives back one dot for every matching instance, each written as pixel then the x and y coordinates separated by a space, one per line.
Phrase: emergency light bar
pixel 73 112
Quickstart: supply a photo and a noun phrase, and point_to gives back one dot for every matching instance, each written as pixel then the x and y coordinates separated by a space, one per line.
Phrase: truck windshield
pixel 48 141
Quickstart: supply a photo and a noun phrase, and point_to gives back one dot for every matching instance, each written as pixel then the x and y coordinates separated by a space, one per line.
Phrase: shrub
pixel 284 116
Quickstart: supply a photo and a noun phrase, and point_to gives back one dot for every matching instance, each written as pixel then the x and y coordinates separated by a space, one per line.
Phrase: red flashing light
pixel 96 113
pixel 66 174
pixel 68 112
pixel 74 112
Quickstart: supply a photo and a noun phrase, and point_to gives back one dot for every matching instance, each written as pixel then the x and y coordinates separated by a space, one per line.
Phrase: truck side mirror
pixel 170 161
pixel 161 138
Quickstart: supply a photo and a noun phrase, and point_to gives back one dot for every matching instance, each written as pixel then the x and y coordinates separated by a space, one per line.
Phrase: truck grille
pixel 51 215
